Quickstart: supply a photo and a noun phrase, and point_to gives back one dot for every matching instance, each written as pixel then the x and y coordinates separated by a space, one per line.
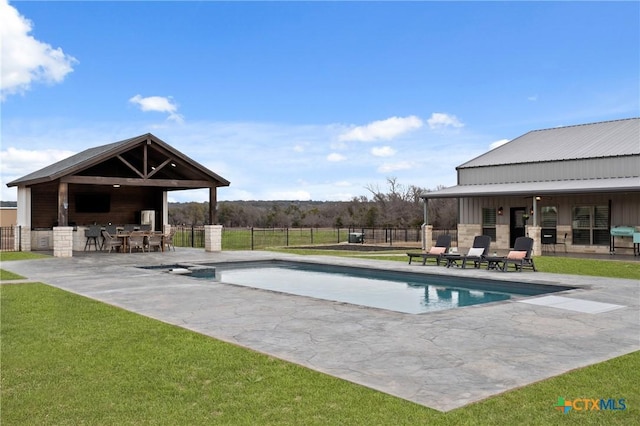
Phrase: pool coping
pixel 443 360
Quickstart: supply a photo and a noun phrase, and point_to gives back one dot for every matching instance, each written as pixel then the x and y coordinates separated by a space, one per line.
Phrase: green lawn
pixel 66 359
pixel 71 360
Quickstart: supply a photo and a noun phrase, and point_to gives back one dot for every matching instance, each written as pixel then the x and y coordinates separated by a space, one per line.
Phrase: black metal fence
pixel 8 238
pixel 260 238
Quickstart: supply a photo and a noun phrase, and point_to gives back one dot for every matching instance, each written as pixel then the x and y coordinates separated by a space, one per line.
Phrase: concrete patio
pixel 443 360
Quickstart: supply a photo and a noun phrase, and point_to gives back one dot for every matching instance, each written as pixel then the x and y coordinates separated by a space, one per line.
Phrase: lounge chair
pixel 436 252
pixel 111 241
pixel 476 253
pixel 520 256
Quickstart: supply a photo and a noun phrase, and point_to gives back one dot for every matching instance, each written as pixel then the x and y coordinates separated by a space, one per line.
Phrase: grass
pixel 21 255
pixel 66 359
pixel 8 275
pixel 70 360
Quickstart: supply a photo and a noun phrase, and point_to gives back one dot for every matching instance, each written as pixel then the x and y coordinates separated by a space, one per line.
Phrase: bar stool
pixel 92 234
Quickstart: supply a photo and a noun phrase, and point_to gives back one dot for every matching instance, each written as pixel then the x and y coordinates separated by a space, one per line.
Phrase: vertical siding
pixel 592 168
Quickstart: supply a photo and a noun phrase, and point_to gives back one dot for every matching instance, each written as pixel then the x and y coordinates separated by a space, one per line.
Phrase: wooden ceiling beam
pixel 167 183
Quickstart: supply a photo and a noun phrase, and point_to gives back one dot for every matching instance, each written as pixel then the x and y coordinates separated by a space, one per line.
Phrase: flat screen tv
pixel 93 203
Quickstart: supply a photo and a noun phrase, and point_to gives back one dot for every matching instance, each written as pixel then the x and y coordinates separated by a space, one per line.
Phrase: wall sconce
pixel 500 211
pixel 531 212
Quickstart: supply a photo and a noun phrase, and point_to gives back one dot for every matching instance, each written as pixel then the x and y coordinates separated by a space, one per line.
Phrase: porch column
pixel 213 238
pixel 424 225
pixel 63 204
pixel 23 241
pixel 427 240
pixel 535 232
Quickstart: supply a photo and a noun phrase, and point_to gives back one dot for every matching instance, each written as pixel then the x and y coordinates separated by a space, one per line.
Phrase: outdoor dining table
pixel 124 236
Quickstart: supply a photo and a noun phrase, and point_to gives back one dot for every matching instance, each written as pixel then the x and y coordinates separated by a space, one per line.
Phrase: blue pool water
pixel 411 293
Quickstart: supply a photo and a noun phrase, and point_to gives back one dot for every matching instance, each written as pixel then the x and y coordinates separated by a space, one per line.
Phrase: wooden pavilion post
pixel 213 205
pixel 63 204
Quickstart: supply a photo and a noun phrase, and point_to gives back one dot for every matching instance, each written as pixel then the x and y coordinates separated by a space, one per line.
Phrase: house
pixel 562 185
pixel 117 183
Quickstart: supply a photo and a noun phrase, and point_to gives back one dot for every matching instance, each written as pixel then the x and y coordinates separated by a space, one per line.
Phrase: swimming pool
pixel 406 292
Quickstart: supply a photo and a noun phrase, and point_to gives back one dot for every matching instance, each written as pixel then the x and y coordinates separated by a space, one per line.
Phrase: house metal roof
pixel 595 140
pixel 92 156
pixel 631 184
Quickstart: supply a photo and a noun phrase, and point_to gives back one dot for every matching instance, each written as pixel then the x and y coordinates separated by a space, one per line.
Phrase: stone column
pixel 427 237
pixel 213 237
pixel 63 241
pixel 535 232
pixel 23 238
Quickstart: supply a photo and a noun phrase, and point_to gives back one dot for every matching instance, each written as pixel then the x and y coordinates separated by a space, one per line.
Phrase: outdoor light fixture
pixel 531 212
pixel 116 185
pixel 173 164
pixel 500 211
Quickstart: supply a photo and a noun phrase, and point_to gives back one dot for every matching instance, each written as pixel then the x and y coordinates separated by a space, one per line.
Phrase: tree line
pixel 397 206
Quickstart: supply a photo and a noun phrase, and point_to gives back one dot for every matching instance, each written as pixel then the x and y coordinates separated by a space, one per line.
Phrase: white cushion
pixel 475 252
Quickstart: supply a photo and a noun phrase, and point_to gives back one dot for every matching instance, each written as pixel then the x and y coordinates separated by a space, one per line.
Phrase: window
pixel 548 222
pixel 590 225
pixel 489 222
pixel 549 217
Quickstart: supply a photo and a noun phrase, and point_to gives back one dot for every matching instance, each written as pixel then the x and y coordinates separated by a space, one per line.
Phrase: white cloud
pixel 343 183
pixel 383 151
pixel 16 161
pixel 440 120
pixel 26 60
pixel 496 144
pixel 533 98
pixel 382 129
pixel 335 157
pixel 298 148
pixel 158 104
pixel 392 167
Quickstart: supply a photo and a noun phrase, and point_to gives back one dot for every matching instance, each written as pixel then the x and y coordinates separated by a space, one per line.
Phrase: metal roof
pixel 631 184
pixel 595 140
pixel 89 157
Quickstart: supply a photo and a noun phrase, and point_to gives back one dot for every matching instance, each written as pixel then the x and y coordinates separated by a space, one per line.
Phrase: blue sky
pixel 309 100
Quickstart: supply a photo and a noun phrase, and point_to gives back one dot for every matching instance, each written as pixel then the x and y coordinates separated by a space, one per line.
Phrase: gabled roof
pixel 595 140
pixel 144 159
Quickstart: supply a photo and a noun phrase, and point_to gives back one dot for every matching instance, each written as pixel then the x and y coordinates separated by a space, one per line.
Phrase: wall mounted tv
pixel 93 203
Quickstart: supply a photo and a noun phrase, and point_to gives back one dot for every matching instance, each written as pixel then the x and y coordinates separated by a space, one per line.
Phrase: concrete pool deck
pixel 443 360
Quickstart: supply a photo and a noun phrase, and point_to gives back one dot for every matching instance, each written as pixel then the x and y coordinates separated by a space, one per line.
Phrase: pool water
pixel 411 293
